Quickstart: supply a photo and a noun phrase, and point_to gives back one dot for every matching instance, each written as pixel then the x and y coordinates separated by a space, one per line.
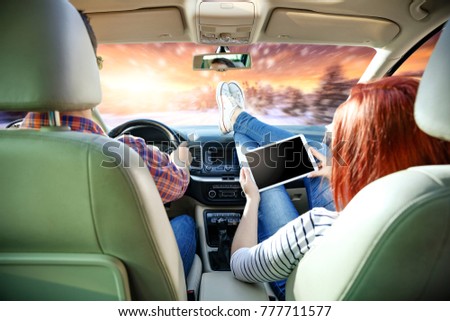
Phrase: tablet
pixel 279 162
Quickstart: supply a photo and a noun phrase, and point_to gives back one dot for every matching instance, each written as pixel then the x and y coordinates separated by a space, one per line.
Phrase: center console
pixel 216 231
pixel 220 227
pixel 217 227
pixel 215 174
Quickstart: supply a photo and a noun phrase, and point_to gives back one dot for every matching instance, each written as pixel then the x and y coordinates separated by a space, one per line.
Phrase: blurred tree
pixel 258 98
pixel 296 104
pixel 333 91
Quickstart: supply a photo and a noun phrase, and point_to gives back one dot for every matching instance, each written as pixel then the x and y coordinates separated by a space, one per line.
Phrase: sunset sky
pixel 153 78
pixel 145 74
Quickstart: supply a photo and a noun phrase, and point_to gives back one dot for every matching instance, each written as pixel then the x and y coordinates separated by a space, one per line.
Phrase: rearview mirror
pixel 222 61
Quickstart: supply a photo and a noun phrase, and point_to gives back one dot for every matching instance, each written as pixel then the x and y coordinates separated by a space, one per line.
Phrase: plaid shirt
pixel 171 180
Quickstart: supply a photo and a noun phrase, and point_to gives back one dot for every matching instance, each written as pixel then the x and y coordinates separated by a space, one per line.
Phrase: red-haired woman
pixel 374 134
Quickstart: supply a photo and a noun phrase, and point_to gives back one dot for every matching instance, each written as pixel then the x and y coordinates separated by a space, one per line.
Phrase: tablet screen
pixel 280 162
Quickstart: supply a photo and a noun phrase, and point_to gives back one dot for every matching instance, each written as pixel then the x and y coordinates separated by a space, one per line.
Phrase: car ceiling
pixel 390 26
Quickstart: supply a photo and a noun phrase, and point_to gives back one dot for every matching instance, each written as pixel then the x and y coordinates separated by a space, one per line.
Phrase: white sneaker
pixel 237 93
pixel 227 106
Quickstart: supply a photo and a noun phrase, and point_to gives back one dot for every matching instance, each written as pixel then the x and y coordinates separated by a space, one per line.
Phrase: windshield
pixel 287 84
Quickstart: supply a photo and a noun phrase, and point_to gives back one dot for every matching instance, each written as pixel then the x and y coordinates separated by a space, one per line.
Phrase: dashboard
pixel 215 165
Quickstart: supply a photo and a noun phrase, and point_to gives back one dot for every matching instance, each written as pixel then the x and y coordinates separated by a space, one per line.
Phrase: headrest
pixel 47 61
pixel 432 108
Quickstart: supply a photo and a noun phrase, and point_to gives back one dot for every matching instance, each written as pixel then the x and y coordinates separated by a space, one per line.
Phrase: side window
pixel 415 64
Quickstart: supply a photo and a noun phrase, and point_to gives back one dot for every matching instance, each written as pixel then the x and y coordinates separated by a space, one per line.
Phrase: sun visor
pixel 310 27
pixel 149 25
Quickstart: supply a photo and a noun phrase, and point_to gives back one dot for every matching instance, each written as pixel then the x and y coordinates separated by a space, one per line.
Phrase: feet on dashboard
pixel 237 93
pixel 230 99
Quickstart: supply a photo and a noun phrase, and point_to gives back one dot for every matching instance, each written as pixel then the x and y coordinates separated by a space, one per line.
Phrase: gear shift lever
pixel 221 257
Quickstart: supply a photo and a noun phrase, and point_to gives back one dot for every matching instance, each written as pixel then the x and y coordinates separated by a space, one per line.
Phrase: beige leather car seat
pixel 76 224
pixel 392 241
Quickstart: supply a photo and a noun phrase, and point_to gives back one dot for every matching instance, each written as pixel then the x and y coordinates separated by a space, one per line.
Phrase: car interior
pixel 73 229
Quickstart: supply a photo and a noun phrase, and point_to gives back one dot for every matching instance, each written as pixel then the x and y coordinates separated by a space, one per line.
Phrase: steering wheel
pixel 135 127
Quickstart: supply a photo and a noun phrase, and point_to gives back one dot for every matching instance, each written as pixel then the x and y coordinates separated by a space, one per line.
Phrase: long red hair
pixel 374 134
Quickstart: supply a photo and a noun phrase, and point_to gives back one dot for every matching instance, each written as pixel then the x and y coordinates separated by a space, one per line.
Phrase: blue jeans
pixel 183 227
pixel 276 208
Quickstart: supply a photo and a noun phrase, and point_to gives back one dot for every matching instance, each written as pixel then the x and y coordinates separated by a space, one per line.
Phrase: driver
pixel 221 64
pixel 170 172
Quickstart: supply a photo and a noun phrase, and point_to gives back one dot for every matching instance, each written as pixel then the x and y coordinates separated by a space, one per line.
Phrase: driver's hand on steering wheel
pixel 182 156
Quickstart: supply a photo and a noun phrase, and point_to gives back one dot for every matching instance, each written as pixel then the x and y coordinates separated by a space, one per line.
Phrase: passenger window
pixel 415 64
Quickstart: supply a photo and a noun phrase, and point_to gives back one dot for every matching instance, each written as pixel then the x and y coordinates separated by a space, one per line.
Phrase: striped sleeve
pixel 275 258
pixel 170 180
